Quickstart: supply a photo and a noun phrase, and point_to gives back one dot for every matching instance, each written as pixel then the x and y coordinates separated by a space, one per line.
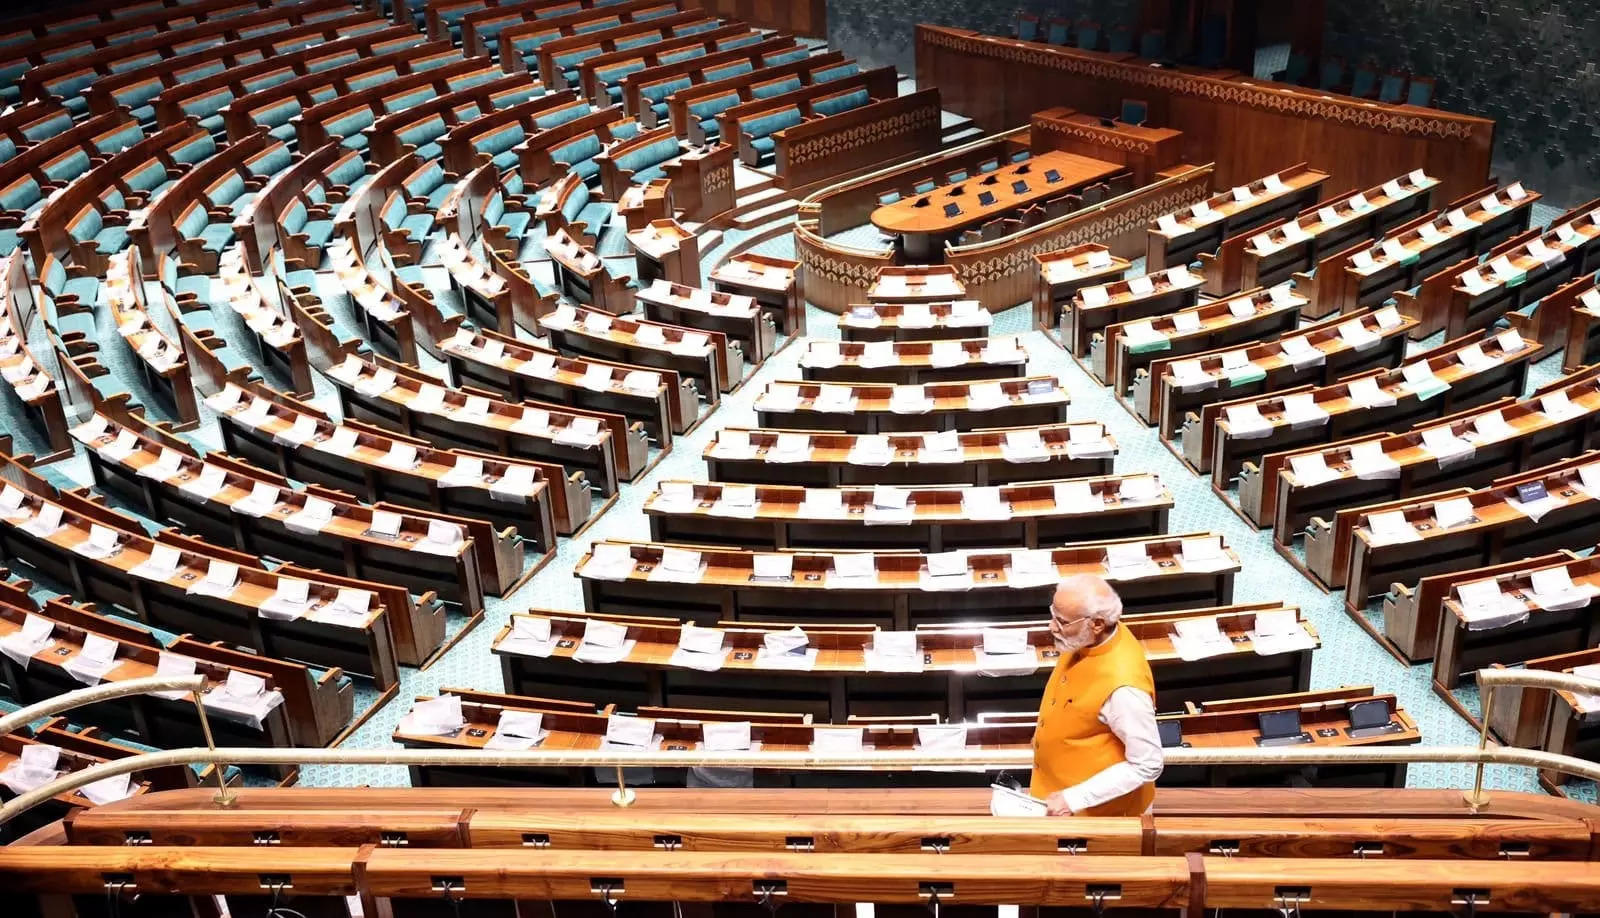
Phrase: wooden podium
pixel 1144 150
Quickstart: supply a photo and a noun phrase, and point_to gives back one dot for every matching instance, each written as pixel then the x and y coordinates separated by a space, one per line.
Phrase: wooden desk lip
pixel 1076 170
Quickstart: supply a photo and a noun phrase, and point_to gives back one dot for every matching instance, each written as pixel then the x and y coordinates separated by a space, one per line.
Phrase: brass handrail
pixel 978 760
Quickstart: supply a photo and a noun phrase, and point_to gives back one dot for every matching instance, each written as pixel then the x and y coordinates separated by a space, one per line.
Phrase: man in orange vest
pixel 1096 751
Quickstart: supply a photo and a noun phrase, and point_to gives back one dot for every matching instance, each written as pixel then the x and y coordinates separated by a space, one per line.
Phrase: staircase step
pixel 760 216
pixel 961 135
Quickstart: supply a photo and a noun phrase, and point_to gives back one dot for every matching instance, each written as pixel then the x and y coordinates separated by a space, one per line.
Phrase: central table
pixel 922 219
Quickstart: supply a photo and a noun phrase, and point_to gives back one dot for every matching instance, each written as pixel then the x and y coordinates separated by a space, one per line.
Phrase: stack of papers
pixel 1445 446
pixel 1486 607
pixel 1366 393
pixel 1421 381
pixel 1024 446
pixel 946 570
pixel 1205 554
pixel 822 355
pixel 1301 411
pixel 1279 632
pixel 893 652
pixel 786 650
pixel 1246 423
pixel 871 449
pixel 853 570
pixel 678 565
pixel 1031 568
pixel 1089 441
pixel 1391 528
pixel 910 400
pixel 1369 461
pixel 699 648
pixel 434 717
pixel 1310 469
pixel 604 642
pixel 1301 353
pixel 984 503
pixel 877 354
pixel 1199 638
pixel 733 444
pixel 1128 560
pixel 790 447
pixel 834 399
pixel 1554 591
pixel 982 396
pixel 609 561
pixel 944 446
pixel 823 503
pixel 517 731
pixel 529 636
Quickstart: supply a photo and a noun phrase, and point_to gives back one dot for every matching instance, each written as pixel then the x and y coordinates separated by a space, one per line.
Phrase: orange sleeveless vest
pixel 1071 744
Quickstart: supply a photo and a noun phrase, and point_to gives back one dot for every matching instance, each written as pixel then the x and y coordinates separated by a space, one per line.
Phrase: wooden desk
pixel 641 204
pixel 1215 449
pixel 664 249
pixel 893 592
pixel 922 220
pixel 775 283
pixel 1413 613
pixel 951 682
pixel 1144 150
pixel 871 407
pixel 1033 514
pixel 739 317
pixel 913 362
pixel 916 284
pixel 1199 230
pixel 1062 274
pixel 914 321
pixel 828 459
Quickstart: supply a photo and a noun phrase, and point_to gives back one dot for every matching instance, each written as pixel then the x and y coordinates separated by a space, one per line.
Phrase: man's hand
pixel 1056 805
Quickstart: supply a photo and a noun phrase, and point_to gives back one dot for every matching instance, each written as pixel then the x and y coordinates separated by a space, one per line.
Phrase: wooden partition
pixel 802 17
pixel 1248 127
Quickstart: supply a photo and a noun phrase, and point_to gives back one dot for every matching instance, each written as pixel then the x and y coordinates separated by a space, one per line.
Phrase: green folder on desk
pixel 1246 374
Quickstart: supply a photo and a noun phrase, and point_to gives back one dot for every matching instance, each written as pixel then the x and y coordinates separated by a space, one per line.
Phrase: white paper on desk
pixel 1235 360
pixel 515 484
pixel 224 401
pixel 263 498
pixel 1554 591
pixel 952 354
pixel 1141 332
pixel 692 344
pixel 1139 488
pixel 102 542
pixel 984 503
pixel 770 566
pixel 1328 215
pixel 725 736
pixel 1199 639
pixel 650 335
pixel 733 444
pixel 1030 568
pixel 1473 358
pixel 836 740
pixel 1126 555
pixel 854 569
pixel 581 431
pixel 871 449
pixel 875 354
pixel 1301 352
pixel 1202 211
pixel 1430 233
pixel 678 565
pixel 428 399
pixel 596 323
pixel 1242 194
pixel 916 315
pixel 941 737
pixel 439 716
pixel 1369 461
pixel 1503 268
pixel 1445 447
pixel 1367 393
pixel 1205 554
pixel 125 445
pixel 1492 426
pixel 1168 225
pixel 1245 307
pixel 1515 191
pixel 1189 376
pixel 1485 607
pixel 400 456
pixel 1537 510
pixel 893 652
pixel 443 538
pixel 301 432
pixel 822 354
pixel 90 665
pixel 108 790
pixel 627 730
pixel 522 725
pixel 1358 336
pixel 167 464
pixel 1310 469
pixel 946 563
pixel 34 636
pixel 1293 637
pixel 1453 512
pixel 1301 410
pixel 1076 496
pixel 834 399
pixel 220 579
pixel 945 442
pixel 823 503
pixel 1474 281
pixel 1095 296
pixel 289 600
pixel 1024 446
pixel 1421 380
pixel 1557 407
pixel 1141 286
pixel 1246 423
pixel 1358 201
pixel 1417 178
pixel 342 442
pixel 596 377
pixel 45 522
pixel 492 351
pixel 981 396
pixel 1362 260
pixel 1391 527
pixel 1587 703
pixel 161 564
pixel 910 400
pixel 1185 322
pixel 384 523
pixel 376 385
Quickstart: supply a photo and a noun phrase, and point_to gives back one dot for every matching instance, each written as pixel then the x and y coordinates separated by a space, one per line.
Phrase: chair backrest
pixel 1120 40
pixel 970 237
pixel 1213 40
pixel 888 197
pixel 1365 80
pixel 989 166
pixel 1135 111
pixel 1153 45
pixel 992 230
pixel 1332 73
pixel 923 186
pixel 1027 26
pixel 1420 92
pixel 1058 32
pixel 960 175
pixel 1392 89
pixel 1088 35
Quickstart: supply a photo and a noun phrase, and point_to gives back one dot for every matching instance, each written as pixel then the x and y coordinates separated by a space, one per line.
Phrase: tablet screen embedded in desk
pixel 1019 187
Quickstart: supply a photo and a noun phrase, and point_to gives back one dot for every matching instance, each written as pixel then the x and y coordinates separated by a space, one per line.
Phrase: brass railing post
pixel 1477 799
pixel 225 798
pixel 623 795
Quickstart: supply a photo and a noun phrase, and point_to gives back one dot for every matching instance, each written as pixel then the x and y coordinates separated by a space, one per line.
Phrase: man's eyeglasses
pixel 1068 623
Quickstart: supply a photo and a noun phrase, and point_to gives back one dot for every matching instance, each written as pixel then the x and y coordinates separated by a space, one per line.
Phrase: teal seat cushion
pixel 515 223
pixel 111 240
pixel 506 160
pixel 575 203
pixel 86 289
pixel 764 145
pixel 418 226
pixel 648 174
pixel 833 105
pixel 588 169
pixel 711 128
pixel 318 232
pixel 216 237
pixel 769 124
pixel 595 216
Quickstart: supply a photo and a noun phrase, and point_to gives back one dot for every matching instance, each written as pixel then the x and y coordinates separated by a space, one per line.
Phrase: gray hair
pixel 1093 595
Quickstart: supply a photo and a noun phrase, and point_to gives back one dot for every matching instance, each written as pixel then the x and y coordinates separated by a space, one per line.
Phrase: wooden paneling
pixel 1248 127
pixel 802 17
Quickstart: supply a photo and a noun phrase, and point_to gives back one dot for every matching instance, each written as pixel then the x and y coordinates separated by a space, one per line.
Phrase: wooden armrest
pixel 219 215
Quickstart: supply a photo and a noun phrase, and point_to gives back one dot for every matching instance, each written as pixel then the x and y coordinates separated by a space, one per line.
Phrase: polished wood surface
pixel 1225 118
pixel 1145 150
pixel 925 213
